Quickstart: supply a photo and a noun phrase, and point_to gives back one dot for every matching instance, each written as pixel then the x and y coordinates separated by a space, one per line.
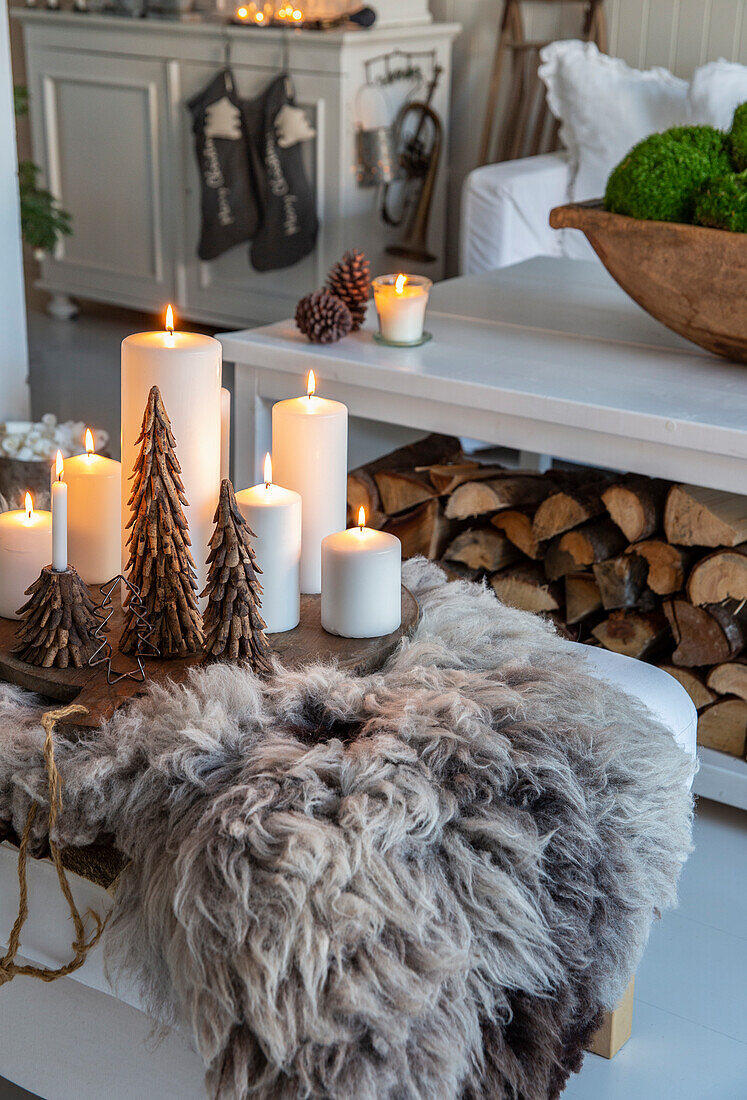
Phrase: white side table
pixel 548 356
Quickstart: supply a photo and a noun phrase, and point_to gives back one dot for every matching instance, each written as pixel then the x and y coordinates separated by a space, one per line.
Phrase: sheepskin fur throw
pixel 421 884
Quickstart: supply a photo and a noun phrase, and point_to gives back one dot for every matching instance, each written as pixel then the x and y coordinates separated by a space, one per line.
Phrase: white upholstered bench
pixel 77 1039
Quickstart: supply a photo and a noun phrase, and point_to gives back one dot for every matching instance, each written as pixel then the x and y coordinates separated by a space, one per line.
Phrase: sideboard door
pixel 229 288
pixel 100 134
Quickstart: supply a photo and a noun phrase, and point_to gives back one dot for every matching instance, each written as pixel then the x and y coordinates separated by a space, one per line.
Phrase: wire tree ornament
pixel 143 629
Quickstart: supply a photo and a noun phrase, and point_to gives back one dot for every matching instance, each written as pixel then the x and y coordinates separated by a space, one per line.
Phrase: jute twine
pixel 9 968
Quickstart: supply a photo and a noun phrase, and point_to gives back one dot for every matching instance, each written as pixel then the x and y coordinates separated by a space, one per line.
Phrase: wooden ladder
pixel 528 128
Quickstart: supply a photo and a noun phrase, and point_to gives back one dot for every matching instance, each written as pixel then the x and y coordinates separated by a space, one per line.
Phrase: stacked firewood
pixel 641 566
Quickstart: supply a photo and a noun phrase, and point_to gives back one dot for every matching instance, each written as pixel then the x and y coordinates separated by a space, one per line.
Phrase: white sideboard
pixel 112 135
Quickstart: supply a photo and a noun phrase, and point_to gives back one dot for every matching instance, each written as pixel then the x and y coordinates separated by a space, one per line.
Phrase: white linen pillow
pixel 716 91
pixel 604 108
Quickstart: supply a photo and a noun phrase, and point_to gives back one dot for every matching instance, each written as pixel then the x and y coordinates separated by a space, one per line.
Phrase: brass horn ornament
pixel 419 161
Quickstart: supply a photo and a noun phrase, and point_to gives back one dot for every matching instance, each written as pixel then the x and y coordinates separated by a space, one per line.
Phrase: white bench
pixel 76 1039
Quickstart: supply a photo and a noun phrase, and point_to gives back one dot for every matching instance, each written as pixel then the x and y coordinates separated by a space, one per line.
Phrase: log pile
pixel 641 566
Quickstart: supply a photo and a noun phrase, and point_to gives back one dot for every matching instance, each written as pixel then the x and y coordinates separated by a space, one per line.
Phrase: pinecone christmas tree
pixel 234 628
pixel 161 565
pixel 58 622
pixel 350 280
pixel 323 317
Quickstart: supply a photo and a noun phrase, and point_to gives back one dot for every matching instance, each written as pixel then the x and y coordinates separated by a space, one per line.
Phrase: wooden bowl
pixel 692 279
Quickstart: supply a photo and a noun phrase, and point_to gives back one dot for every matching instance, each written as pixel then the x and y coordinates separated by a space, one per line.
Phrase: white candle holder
pixel 401 301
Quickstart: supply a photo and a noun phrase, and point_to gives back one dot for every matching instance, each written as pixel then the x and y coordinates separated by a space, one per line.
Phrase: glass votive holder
pixel 401 302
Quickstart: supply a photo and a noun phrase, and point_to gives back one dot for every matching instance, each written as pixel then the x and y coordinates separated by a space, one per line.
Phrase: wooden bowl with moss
pixel 692 279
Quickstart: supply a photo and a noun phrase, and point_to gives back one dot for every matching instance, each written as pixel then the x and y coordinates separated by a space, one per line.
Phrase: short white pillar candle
pixel 361 582
pixel 274 515
pixel 25 548
pixel 401 301
pixel 94 514
pixel 310 454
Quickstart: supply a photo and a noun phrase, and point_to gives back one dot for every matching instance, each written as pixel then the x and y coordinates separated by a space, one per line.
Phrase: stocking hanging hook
pixel 227 62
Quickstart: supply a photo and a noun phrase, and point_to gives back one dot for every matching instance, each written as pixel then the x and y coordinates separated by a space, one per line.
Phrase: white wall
pixel 14 393
pixel 679 34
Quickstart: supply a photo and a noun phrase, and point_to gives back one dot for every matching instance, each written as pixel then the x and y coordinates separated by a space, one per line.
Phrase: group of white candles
pixel 82 528
pixel 298 515
pixel 301 543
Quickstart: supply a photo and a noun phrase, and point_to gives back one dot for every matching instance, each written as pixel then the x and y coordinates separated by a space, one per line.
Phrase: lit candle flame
pixel 268 470
pixel 89 441
pixel 297 15
pixel 260 17
pixel 29 506
pixel 242 13
pixel 362 517
pixel 170 320
pixel 399 284
pixel 311 384
pixel 59 467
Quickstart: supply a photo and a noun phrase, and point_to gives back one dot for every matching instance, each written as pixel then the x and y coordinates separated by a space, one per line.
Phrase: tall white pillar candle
pixel 25 548
pixel 59 519
pixel 225 433
pixel 94 514
pixel 274 515
pixel 361 582
pixel 310 454
pixel 186 367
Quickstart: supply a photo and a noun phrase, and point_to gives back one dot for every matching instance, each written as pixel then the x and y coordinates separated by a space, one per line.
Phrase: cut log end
pixel 694 516
pixel 633 633
pixel 729 679
pixel 723 726
pixel 526 588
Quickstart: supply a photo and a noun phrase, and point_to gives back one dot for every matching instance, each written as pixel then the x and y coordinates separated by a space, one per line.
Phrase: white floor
pixel 690 1025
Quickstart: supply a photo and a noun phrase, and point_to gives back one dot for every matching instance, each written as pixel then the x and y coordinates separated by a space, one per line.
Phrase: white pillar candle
pixel 310 452
pixel 25 548
pixel 225 433
pixel 186 367
pixel 59 518
pixel 94 514
pixel 400 304
pixel 274 515
pixel 361 582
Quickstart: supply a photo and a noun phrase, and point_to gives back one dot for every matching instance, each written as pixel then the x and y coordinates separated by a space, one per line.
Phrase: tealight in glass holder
pixel 401 301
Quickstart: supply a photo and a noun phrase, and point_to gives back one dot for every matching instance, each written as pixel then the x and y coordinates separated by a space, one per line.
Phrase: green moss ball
pixel 738 138
pixel 722 204
pixel 661 177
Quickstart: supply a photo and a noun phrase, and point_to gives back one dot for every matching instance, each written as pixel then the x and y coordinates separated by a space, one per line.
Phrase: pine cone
pixel 323 317
pixel 350 280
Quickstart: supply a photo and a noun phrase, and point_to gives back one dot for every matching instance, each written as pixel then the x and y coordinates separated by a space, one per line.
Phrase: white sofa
pixel 505 212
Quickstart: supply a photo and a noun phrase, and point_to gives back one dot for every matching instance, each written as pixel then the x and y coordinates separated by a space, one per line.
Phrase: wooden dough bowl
pixel 692 279
pixel 88 686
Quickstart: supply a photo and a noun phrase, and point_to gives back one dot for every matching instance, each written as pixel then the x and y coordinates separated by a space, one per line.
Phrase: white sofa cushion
pixel 604 108
pixel 716 91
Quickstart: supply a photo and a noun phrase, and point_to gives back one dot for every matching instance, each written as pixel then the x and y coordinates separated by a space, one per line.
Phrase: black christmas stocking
pixel 289 224
pixel 229 208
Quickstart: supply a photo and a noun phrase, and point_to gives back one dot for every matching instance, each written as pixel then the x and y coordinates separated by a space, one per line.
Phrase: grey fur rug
pixel 423 884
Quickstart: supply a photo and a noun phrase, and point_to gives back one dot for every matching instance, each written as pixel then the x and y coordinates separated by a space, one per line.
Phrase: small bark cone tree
pixel 57 622
pixel 234 628
pixel 161 565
